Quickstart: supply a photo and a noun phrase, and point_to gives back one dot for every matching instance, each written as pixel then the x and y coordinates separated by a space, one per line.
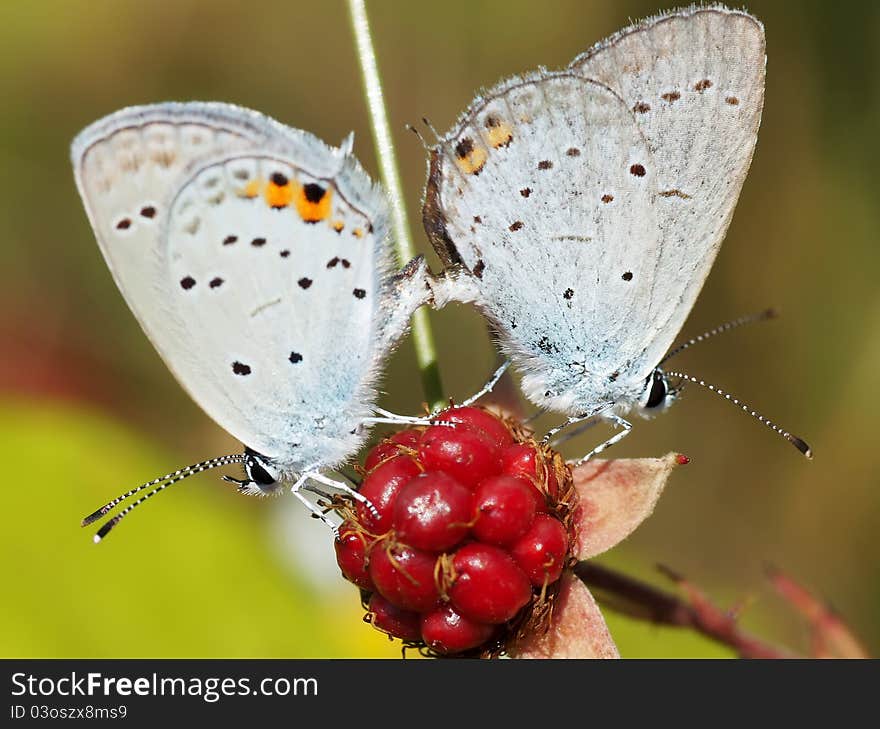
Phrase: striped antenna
pixel 164 482
pixel 793 439
pixel 726 327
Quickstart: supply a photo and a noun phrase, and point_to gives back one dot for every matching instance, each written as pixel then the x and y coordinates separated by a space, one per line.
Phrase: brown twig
pixel 640 600
pixel 831 637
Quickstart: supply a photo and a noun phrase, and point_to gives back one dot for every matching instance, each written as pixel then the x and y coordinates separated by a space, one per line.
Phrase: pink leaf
pixel 614 498
pixel 577 628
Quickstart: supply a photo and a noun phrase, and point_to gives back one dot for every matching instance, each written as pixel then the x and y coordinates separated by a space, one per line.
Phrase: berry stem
pixel 422 336
pixel 638 599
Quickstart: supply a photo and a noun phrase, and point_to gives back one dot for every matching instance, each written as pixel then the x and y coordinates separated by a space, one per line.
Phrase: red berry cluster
pixel 468 536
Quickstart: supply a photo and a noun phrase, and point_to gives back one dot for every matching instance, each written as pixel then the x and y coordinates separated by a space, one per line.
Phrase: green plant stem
pixel 423 338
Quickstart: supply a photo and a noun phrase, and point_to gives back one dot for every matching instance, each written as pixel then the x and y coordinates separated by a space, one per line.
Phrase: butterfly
pixel 581 210
pixel 257 260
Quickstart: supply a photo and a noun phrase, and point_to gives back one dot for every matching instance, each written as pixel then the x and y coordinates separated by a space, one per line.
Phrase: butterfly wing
pixel 560 206
pixel 125 166
pixel 694 80
pixel 532 193
pixel 261 273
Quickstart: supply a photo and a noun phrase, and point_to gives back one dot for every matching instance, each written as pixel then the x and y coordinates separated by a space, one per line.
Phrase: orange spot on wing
pixel 278 196
pixel 472 162
pixel 358 232
pixel 338 226
pixel 311 206
pixel 252 189
pixel 498 135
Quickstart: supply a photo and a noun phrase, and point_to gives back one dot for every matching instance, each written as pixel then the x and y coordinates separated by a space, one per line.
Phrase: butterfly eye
pixel 659 390
pixel 258 474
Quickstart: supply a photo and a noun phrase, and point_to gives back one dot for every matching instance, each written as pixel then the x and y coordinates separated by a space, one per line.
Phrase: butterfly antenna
pixel 415 131
pixel 793 439
pixel 726 327
pixel 427 123
pixel 164 482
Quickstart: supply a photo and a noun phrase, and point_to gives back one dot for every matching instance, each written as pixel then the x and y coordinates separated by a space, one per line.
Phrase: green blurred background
pixel 88 409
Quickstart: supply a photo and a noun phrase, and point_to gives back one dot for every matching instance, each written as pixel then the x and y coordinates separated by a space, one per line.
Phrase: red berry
pixel 445 631
pixel 382 452
pixel 389 618
pixel 467 455
pixel 522 460
pixel 381 487
pixel 540 552
pixel 352 548
pixel 505 508
pixel 433 512
pixel 489 587
pixel 407 438
pixel 479 419
pixel 404 576
pixel 390 447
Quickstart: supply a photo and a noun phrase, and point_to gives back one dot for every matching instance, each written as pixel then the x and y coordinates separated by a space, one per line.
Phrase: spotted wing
pixel 586 221
pixel 255 258
pixel 694 81
pixel 539 192
pixel 126 167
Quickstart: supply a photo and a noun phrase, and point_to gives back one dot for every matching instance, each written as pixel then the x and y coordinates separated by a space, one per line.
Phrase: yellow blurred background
pixel 88 409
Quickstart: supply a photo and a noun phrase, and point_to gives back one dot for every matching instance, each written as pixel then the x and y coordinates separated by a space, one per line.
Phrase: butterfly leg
pixel 575 432
pixel 384 416
pixel 571 421
pixel 346 489
pixel 317 512
pixel 394 419
pixel 617 437
pixel 489 386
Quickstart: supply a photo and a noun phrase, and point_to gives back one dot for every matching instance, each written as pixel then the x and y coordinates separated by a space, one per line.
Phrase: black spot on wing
pixel 314 193
pixel 239 368
pixel 464 147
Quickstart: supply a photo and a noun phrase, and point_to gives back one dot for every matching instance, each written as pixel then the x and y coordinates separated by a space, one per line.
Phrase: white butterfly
pixel 257 260
pixel 581 210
